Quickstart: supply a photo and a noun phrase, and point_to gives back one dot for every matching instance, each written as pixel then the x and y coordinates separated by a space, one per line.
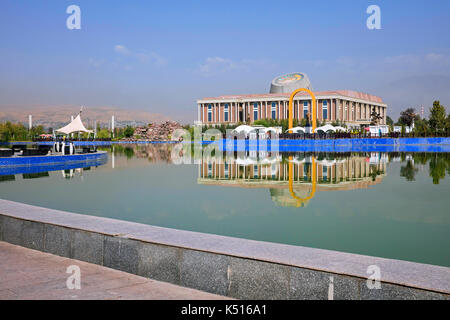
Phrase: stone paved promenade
pixel 31 274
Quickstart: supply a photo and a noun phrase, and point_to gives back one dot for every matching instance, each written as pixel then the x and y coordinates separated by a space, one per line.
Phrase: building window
pixel 227 172
pixel 305 109
pixel 255 171
pixel 209 170
pixel 225 112
pixel 325 109
pixel 274 110
pixel 255 111
pixel 209 113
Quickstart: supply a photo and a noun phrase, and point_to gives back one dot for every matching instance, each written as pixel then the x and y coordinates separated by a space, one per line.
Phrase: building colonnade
pixel 329 109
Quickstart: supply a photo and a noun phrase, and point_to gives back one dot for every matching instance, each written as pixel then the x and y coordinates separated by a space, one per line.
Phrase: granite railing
pixel 232 267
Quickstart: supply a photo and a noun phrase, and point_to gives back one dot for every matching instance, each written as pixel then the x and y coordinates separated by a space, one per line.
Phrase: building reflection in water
pixel 293 180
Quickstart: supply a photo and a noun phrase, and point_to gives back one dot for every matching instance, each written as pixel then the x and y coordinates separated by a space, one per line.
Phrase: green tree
pixel 438 119
pixel 103 134
pixel 36 131
pixel 5 134
pixel 447 125
pixel 389 121
pixel 421 127
pixel 408 117
pixel 128 132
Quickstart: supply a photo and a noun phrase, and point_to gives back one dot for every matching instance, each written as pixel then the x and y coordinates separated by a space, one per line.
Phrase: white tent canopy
pixel 325 128
pixel 270 129
pixel 297 129
pixel 75 126
pixel 329 127
pixel 244 128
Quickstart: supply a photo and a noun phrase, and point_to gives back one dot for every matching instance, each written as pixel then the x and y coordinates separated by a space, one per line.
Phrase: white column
pixel 113 159
pixel 218 109
pixel 331 110
pixel 279 110
pixel 247 110
pixel 260 108
pixel 112 125
pixel 198 113
pixel 344 111
pixel 266 111
pixel 216 119
pixel 233 112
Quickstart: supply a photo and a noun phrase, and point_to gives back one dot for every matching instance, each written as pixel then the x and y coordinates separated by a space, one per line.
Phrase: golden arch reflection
pixel 299 200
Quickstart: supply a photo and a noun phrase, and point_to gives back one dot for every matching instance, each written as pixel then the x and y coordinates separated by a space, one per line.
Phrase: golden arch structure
pixel 313 108
pixel 291 182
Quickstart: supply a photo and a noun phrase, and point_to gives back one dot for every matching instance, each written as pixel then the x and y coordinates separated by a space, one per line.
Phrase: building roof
pixel 344 93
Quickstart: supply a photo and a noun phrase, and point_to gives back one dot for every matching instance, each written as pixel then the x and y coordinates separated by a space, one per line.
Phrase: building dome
pixel 290 82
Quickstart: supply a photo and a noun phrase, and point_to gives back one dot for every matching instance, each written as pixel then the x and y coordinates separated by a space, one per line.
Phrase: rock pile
pixel 156 132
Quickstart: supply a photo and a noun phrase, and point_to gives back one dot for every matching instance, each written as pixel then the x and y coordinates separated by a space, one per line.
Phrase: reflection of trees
pixel 126 151
pixel 421 157
pixel 409 171
pixel 152 152
pixel 438 164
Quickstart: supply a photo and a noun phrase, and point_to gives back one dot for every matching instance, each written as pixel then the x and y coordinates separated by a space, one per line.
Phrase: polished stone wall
pixel 232 267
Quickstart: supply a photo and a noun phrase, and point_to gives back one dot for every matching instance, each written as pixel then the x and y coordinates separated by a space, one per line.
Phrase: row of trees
pixel 18 132
pixel 437 123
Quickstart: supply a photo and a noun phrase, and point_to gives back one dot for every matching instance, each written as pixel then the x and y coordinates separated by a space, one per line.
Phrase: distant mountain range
pixel 56 116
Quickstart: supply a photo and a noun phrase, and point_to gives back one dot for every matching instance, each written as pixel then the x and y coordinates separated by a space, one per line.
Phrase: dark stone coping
pixel 394 272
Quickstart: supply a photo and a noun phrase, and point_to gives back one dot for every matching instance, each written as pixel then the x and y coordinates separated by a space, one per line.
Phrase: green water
pixel 397 207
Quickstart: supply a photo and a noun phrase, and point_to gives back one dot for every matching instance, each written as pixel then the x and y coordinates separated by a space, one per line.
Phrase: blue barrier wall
pixel 57 159
pixel 85 143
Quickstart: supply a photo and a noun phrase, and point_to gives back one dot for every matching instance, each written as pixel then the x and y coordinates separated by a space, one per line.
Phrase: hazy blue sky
pixel 162 56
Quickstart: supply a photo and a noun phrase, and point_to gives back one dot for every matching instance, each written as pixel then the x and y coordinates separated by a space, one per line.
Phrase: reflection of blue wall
pixel 344 145
pixel 52 160
pixel 51 167
pixel 87 143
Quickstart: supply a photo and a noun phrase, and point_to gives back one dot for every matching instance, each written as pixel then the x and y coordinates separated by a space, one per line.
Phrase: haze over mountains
pixel 55 116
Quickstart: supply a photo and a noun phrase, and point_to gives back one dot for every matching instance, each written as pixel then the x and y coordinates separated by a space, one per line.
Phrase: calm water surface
pixel 378 204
